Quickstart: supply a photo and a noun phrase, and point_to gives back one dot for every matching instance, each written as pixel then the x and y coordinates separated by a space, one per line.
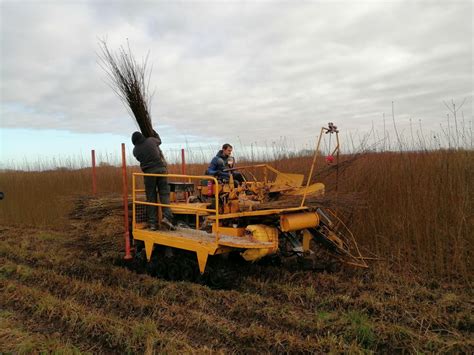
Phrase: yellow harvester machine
pixel 222 222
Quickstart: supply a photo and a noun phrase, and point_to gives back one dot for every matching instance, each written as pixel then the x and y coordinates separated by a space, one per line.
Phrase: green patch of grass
pixel 7 270
pixel 362 329
pixel 310 293
pixel 46 236
pixel 4 314
pixel 324 320
pixel 321 315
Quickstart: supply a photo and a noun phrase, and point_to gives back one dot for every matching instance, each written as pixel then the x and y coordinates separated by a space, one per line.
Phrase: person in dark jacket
pixel 152 161
pixel 221 162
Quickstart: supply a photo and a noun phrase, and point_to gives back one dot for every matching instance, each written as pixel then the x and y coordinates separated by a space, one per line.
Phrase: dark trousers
pixel 238 177
pixel 154 186
pixel 225 177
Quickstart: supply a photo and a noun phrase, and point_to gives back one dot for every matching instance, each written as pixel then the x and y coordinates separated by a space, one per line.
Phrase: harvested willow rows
pixel 413 208
pixel 59 297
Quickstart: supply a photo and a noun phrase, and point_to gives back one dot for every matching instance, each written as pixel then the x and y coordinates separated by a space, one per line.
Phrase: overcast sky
pixel 238 72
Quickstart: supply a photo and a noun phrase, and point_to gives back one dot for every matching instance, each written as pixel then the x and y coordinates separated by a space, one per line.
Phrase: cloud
pixel 222 70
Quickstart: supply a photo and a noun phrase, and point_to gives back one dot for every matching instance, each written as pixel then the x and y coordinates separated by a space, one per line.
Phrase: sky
pixel 243 72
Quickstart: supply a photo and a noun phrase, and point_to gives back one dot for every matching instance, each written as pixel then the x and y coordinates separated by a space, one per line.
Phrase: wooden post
pixel 128 256
pixel 94 176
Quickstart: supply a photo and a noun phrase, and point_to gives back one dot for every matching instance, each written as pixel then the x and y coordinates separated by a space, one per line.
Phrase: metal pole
pixel 128 256
pixel 337 163
pixel 215 186
pixel 312 167
pixel 183 171
pixel 94 176
pixel 133 202
pixel 183 162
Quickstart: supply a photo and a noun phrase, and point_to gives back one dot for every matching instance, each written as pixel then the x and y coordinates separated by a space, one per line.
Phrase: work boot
pixel 165 222
pixel 152 226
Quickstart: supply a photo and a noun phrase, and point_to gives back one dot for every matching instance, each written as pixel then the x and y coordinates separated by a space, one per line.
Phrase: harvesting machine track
pixel 222 223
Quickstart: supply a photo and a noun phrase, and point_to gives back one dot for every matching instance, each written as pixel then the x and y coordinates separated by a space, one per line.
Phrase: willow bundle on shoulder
pixel 129 80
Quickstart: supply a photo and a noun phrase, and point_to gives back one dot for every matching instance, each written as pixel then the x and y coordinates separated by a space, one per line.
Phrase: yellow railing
pixel 265 167
pixel 188 207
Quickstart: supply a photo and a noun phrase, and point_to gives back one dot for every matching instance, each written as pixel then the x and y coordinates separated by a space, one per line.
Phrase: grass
pixel 62 290
pixel 16 339
pixel 100 308
pixel 362 329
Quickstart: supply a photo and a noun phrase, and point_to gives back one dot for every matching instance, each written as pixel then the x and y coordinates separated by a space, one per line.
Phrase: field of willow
pixel 65 290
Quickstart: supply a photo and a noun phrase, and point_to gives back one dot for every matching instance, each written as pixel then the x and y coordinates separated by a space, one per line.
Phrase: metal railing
pixel 188 207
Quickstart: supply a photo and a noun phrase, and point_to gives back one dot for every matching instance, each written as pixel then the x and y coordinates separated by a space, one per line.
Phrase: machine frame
pixel 220 240
pixel 300 225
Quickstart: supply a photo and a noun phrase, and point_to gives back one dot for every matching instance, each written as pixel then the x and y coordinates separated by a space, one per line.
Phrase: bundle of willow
pixel 129 80
pixel 98 223
pixel 90 208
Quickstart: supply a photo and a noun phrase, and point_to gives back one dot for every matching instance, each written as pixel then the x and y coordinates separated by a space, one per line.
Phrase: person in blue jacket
pixel 221 162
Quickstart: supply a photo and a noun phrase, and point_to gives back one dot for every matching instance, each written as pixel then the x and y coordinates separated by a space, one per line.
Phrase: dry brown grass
pixel 57 297
pixel 420 209
pixel 415 208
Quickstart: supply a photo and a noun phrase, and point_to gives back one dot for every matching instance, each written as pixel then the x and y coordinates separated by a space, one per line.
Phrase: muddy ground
pixel 63 291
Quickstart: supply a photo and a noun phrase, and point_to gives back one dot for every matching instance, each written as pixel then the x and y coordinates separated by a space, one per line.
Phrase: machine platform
pixel 201 242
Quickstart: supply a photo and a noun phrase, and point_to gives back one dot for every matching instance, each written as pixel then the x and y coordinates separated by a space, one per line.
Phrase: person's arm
pixel 156 141
pixel 216 168
pixel 220 168
pixel 230 163
pixel 156 137
pixel 212 169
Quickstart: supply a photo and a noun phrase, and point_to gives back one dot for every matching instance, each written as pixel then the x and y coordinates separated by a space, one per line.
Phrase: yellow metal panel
pixel 202 260
pixel 263 234
pixel 285 179
pixel 185 206
pixel 236 232
pixel 298 221
pixel 148 248
pixel 258 213
pixel 203 249
pixel 306 240
pixel 176 240
pixel 314 189
pixel 243 244
pixel 180 210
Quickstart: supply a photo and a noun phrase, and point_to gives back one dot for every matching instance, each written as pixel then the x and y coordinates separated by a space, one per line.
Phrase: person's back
pixel 148 153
